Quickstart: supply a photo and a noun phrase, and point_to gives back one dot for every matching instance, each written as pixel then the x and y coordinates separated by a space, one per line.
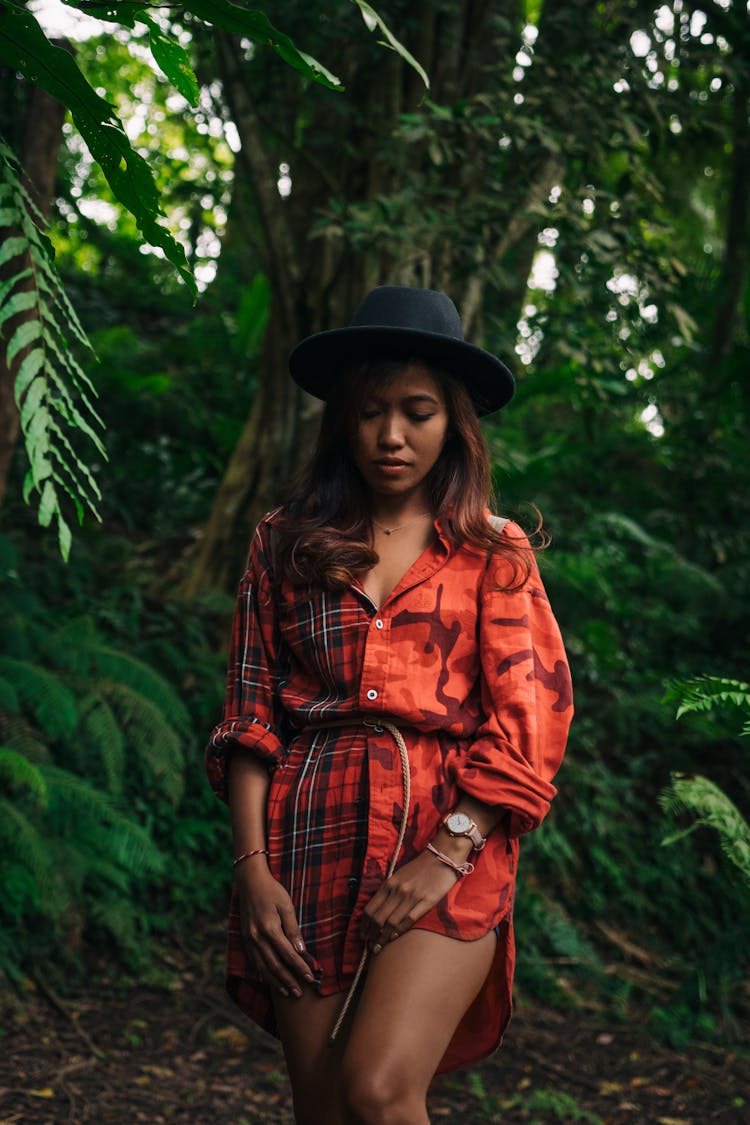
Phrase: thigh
pixel 304 1025
pixel 415 994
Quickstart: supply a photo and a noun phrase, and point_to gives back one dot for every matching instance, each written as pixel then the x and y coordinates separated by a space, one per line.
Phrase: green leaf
pixel 24 47
pixel 34 396
pixel 64 537
pixel 11 247
pixel 23 335
pixel 31 364
pixel 73 414
pixel 28 484
pixel 73 496
pixel 48 504
pixel 84 468
pixel 373 20
pixel 21 773
pixel 19 302
pixel 37 433
pixel 256 25
pixel 11 283
pixel 41 468
pixel 172 59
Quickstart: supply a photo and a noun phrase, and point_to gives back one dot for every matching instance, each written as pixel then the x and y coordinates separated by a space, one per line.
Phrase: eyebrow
pixel 422 397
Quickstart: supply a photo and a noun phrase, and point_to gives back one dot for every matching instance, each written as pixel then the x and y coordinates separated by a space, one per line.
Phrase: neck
pixel 395 510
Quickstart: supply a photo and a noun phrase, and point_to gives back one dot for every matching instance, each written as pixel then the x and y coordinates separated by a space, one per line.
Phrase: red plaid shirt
pixel 476 678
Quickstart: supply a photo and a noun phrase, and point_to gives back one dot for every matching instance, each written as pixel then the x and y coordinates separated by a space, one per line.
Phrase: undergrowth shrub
pixel 108 832
pixel 607 917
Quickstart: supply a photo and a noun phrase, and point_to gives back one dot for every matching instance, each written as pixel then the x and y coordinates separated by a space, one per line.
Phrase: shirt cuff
pixel 261 739
pixel 490 777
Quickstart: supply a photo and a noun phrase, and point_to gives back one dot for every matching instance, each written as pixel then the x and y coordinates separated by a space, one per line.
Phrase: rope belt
pixel 377 725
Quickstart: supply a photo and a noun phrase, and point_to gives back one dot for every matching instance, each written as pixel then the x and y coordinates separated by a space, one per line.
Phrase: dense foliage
pixel 630 430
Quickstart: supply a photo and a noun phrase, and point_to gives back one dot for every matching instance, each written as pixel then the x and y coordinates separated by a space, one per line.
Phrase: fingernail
pixel 283 991
pixel 297 992
pixel 299 946
pixel 376 948
pixel 393 937
pixel 310 977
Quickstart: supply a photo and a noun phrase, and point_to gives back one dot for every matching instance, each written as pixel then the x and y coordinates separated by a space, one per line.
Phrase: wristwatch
pixel 461 824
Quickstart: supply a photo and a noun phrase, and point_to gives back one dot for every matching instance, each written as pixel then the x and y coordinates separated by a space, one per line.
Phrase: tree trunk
pixel 352 165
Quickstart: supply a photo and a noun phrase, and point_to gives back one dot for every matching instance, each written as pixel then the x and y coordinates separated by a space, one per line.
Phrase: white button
pixel 372 694
pixel 378 624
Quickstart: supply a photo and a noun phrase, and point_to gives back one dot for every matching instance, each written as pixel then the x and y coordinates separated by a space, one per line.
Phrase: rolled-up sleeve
pixel 252 716
pixel 526 698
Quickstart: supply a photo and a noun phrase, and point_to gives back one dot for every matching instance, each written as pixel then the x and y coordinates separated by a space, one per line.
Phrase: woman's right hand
pixel 270 932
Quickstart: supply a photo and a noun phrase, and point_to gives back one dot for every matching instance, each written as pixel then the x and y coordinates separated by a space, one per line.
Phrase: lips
pixel 391 463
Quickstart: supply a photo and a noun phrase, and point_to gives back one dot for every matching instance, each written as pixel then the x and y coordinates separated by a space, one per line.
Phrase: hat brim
pixel 317 361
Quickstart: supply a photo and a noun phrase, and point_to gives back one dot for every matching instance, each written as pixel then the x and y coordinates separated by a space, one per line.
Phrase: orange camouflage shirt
pixel 476 678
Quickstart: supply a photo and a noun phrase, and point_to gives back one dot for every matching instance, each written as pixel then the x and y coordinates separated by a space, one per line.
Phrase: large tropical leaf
pixel 25 47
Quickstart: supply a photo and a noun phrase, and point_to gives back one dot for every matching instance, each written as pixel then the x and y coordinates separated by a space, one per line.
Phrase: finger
pixel 292 946
pixel 375 920
pixel 396 906
pixel 295 967
pixel 402 921
pixel 375 904
pixel 277 975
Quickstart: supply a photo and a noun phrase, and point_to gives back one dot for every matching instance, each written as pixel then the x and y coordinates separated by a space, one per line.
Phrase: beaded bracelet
pixel 460 868
pixel 247 855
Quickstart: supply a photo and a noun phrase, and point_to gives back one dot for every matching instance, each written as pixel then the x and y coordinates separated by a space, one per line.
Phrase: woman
pixel 398 701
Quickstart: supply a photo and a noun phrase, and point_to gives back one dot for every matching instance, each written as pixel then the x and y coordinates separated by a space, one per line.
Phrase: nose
pixel 390 433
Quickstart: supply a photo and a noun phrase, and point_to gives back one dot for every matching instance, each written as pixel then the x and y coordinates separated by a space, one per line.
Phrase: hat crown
pixel 403 306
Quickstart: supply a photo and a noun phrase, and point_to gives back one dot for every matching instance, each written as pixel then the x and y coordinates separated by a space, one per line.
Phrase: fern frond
pixel 704 693
pixel 713 809
pixel 153 739
pixel 22 774
pixel 47 365
pixel 75 805
pixel 99 733
pixel 23 842
pixel 115 915
pixel 19 736
pixel 566 938
pixel 126 669
pixel 77 645
pixel 52 703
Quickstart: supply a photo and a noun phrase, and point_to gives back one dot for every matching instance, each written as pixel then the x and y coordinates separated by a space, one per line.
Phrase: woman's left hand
pixel 404 898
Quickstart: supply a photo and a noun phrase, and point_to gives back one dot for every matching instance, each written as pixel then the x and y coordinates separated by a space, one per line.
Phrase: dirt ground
pixel 182 1053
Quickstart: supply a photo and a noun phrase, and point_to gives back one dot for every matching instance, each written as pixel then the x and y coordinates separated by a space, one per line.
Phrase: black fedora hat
pixel 402 322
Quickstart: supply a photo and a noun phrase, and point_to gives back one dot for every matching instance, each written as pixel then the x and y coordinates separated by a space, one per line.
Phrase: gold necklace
pixel 390 530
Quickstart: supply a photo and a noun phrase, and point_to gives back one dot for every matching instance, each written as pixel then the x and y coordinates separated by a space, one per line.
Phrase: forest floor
pixel 119 1053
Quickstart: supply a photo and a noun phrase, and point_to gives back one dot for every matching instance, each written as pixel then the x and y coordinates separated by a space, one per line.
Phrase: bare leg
pixel 314 1068
pixel 414 996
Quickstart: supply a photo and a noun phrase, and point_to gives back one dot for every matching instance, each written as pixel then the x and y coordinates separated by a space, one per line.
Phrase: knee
pixel 373 1097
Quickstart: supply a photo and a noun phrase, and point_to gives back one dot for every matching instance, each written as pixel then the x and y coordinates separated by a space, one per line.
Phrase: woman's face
pixel 400 433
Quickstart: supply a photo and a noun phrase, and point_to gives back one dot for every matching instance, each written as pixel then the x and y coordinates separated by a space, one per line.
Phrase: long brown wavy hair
pixel 323 534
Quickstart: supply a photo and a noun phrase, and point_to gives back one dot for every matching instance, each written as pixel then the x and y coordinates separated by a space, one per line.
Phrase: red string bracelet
pixel 247 855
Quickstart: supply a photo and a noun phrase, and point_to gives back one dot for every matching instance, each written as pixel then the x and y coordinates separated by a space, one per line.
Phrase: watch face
pixel 458 822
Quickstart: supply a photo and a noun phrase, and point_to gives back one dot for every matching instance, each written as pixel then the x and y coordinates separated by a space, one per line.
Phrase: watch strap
pixel 471 833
